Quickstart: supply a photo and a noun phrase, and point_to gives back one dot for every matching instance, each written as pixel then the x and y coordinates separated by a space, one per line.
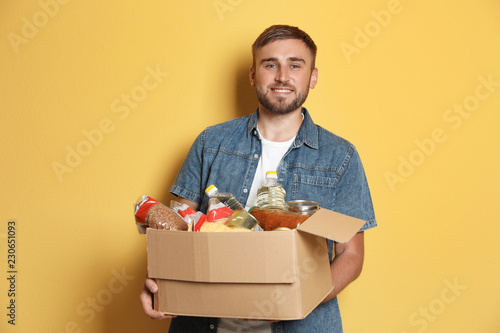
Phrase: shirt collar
pixel 308 132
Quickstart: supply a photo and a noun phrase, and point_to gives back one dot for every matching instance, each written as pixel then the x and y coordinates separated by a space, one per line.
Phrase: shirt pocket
pixel 316 188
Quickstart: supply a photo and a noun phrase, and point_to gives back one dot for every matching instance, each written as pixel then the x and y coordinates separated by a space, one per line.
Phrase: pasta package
pixel 220 226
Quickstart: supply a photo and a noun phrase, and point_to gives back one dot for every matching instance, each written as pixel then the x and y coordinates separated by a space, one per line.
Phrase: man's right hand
pixel 150 287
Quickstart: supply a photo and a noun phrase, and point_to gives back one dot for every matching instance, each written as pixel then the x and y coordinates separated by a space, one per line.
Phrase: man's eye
pixel 271 66
pixel 295 66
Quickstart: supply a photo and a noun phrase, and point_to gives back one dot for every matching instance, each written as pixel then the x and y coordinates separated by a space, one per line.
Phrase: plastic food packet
pixel 149 213
pixel 186 212
pixel 220 226
pixel 199 220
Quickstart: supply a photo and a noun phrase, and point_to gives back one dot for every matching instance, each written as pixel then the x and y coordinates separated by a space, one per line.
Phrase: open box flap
pixel 332 225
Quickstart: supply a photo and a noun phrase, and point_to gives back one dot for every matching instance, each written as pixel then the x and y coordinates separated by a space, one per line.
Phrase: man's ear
pixel 314 78
pixel 251 75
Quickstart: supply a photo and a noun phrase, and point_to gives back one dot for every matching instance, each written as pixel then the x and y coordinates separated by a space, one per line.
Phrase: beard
pixel 281 106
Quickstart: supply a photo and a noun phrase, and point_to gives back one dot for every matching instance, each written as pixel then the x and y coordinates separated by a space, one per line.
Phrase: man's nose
pixel 282 75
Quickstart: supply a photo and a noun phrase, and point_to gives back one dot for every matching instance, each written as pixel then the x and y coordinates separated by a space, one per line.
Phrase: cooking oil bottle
pixel 240 217
pixel 271 195
pixel 227 199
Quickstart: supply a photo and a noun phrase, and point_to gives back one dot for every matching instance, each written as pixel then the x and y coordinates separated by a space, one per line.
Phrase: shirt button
pixel 254 132
pixel 256 156
pixel 212 326
pixel 245 190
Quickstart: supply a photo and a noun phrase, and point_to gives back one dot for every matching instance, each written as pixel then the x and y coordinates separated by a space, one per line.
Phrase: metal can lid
pixel 302 206
pixel 282 229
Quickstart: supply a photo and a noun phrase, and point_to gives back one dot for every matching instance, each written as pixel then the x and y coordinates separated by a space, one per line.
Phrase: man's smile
pixel 281 90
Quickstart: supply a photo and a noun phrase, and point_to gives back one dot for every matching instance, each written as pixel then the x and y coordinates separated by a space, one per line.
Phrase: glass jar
pixel 305 207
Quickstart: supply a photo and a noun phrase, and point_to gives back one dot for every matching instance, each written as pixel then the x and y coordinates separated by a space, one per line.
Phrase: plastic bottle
pixel 226 198
pixel 271 195
pixel 240 217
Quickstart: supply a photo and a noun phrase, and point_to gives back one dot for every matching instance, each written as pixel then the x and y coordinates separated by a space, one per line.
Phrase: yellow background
pixel 385 83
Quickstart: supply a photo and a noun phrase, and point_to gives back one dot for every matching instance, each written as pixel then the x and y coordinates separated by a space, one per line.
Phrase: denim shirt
pixel 319 166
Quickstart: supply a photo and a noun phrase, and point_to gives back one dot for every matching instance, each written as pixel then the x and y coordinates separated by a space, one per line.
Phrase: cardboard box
pixel 274 275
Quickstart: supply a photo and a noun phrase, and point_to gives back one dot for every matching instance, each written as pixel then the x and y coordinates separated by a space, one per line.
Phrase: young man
pixel 312 164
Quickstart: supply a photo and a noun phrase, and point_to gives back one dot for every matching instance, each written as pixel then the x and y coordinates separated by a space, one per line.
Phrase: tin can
pixel 282 229
pixel 241 219
pixel 304 207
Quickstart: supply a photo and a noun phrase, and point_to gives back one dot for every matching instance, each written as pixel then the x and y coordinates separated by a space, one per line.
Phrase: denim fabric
pixel 324 319
pixel 319 166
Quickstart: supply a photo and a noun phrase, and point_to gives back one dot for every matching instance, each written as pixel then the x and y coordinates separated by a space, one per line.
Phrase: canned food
pixel 241 219
pixel 304 207
pixel 282 229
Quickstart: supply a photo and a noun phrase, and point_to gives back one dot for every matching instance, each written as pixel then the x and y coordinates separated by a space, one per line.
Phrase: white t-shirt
pixel 272 153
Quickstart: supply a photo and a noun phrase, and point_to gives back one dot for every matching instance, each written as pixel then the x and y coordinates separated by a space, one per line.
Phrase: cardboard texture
pixel 280 275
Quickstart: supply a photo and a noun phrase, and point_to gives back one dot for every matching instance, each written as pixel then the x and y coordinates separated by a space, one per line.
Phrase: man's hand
pixel 150 286
pixel 347 264
pixel 146 298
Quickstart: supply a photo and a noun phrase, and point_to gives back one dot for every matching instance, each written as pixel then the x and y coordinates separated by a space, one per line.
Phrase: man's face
pixel 282 75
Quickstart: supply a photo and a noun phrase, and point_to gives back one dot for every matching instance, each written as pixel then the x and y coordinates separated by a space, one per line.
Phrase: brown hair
pixel 279 32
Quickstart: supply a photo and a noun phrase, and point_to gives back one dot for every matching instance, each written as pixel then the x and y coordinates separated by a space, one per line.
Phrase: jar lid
pixel 302 205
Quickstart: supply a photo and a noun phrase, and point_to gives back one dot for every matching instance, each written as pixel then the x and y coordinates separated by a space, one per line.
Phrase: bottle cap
pixel 272 174
pixel 210 189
